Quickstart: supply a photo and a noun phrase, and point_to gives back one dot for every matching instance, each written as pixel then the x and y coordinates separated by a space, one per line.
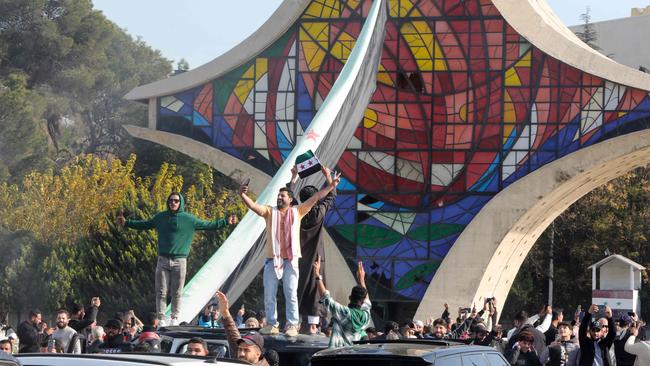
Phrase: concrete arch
pixel 215 158
pixel 536 21
pixel 485 259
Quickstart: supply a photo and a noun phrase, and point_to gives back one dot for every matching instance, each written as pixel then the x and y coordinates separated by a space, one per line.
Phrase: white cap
pixel 313 319
pixel 419 323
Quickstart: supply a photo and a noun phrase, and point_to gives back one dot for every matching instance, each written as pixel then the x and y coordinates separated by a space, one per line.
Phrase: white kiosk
pixel 616 281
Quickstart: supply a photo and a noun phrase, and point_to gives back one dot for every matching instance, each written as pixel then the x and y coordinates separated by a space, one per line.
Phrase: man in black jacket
pixel 114 339
pixel 623 358
pixel 32 333
pixel 594 348
pixel 311 242
pixel 82 321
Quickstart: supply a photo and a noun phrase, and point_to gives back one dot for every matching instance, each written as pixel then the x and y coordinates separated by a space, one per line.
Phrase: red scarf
pixel 288 224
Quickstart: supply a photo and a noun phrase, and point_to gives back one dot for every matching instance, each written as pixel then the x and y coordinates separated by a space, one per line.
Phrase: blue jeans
pixel 290 289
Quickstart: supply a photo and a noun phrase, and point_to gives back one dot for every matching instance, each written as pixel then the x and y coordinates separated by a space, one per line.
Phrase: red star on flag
pixel 311 135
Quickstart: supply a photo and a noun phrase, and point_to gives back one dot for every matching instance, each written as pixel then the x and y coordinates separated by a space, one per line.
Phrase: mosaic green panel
pixel 416 275
pixel 369 236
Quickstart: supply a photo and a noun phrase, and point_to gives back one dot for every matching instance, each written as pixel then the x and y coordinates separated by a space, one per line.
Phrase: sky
pixel 201 30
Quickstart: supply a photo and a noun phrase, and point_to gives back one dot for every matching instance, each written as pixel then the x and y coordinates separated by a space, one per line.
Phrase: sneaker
pixel 291 331
pixel 270 329
pixel 164 322
pixel 173 322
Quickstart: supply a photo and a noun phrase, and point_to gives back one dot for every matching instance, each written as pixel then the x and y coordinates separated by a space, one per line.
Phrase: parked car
pixel 119 359
pixel 292 350
pixel 410 353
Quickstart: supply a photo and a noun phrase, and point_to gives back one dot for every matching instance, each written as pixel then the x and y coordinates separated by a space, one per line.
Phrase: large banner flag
pixel 328 134
pixel 307 164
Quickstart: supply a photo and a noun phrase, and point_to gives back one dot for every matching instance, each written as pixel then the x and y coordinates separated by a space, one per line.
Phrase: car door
pixel 453 360
pixel 474 359
pixel 496 359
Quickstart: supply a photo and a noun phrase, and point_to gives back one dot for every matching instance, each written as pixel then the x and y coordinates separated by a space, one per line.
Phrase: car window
pixel 449 361
pixel 217 349
pixel 496 359
pixel 474 359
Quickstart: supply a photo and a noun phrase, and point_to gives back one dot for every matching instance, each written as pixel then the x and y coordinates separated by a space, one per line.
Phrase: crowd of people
pixel 593 337
pixel 294 229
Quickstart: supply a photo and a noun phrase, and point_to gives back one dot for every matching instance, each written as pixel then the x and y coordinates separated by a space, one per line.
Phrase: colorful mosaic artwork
pixel 464 107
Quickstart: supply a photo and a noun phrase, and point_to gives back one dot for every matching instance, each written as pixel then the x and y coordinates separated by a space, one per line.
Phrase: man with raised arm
pixel 175 229
pixel 283 251
pixel 348 322
pixel 594 340
pixel 311 243
pixel 250 347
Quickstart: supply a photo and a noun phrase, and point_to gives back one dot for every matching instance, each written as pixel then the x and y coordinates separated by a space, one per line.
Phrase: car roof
pixel 119 358
pixel 424 349
pixel 280 342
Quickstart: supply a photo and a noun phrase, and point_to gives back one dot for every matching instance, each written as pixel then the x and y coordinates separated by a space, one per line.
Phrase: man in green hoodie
pixel 175 229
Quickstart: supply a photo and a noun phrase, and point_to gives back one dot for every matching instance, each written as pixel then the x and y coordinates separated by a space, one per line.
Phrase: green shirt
pixel 175 230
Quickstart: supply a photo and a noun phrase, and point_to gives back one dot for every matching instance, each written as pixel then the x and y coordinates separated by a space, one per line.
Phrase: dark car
pixel 410 353
pixel 292 350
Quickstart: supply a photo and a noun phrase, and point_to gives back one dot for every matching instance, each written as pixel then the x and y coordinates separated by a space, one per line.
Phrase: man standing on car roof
pixel 283 251
pixel 175 229
pixel 311 243
pixel 250 347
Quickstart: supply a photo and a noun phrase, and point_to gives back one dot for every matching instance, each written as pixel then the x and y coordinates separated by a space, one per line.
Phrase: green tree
pixel 81 65
pixel 588 34
pixel 64 224
pixel 613 217
pixel 23 142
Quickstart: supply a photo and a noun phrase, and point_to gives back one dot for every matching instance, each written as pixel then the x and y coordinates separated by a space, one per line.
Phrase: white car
pixel 118 359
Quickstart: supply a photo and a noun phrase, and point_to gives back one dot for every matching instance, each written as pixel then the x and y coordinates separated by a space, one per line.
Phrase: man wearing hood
pixel 175 229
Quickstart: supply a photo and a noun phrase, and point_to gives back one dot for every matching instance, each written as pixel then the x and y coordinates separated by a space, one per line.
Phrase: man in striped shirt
pixel 348 322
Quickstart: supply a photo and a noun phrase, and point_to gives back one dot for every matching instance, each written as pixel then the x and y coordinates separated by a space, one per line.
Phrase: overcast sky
pixel 200 30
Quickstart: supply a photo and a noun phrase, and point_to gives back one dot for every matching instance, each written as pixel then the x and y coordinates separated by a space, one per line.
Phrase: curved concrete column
pixel 215 158
pixel 485 259
pixel 536 21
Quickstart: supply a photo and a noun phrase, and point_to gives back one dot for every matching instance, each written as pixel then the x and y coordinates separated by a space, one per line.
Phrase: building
pixel 624 40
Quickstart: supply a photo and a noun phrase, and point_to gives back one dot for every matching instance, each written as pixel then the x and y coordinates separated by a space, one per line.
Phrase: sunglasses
pixel 173 200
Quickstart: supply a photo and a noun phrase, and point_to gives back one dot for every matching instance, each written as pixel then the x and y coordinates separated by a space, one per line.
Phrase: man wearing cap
pixel 563 350
pixel 348 322
pixel 250 347
pixel 114 339
pixel 594 347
